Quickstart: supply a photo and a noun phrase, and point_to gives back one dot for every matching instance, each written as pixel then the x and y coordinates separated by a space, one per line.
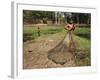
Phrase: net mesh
pixel 64 51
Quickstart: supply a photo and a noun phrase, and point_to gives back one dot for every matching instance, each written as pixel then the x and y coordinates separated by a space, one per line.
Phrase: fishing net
pixel 64 51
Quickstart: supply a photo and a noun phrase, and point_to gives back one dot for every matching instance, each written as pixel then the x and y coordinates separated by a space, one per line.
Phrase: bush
pixel 45 20
pixel 83 32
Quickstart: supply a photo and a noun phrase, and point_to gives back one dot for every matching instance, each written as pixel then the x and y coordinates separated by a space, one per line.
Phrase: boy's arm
pixel 67 27
pixel 74 27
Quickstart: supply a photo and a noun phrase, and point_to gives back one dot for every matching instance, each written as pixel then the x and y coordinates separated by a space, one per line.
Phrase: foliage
pixel 33 17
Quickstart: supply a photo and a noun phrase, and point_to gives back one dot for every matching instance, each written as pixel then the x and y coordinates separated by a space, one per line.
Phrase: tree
pixel 35 16
pixel 27 16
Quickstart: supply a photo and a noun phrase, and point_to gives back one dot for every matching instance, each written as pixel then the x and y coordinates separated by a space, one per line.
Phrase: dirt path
pixel 35 53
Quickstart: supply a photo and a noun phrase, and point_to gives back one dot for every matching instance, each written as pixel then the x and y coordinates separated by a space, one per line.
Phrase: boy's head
pixel 71 21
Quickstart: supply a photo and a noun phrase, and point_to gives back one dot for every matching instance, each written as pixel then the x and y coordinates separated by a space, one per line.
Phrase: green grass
pixel 83 32
pixel 83 57
pixel 31 33
pixel 83 39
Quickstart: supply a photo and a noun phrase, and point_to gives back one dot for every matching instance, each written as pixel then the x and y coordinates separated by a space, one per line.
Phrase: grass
pixel 83 57
pixel 31 33
pixel 83 32
pixel 81 37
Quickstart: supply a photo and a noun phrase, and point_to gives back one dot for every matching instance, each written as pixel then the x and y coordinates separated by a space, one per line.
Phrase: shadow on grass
pixel 83 32
pixel 87 36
